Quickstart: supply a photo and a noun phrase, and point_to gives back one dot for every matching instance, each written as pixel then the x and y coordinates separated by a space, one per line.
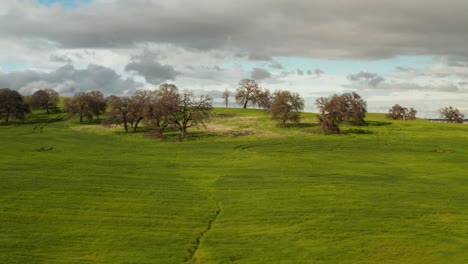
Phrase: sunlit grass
pixel 386 192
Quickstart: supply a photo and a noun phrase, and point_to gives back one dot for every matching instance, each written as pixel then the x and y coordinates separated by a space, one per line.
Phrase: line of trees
pixel 167 107
pixel 15 106
pixel 159 109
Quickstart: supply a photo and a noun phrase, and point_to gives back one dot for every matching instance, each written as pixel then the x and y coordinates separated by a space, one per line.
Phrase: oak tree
pixel 451 114
pixel 191 112
pixel 46 99
pixel 248 93
pixel 398 112
pixel 286 106
pixel 12 105
pixel 97 104
pixel 337 109
pixel 119 112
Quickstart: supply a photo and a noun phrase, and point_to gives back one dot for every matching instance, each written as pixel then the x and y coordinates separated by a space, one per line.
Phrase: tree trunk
pixel 183 132
pixel 125 124
pixel 136 124
pixel 7 116
pixel 245 104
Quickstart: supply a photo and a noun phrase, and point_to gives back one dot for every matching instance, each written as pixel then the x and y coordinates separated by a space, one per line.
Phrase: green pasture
pixel 241 190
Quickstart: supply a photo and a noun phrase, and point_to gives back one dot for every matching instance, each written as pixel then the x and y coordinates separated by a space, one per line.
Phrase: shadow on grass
pixel 192 135
pixel 377 123
pixel 36 119
pixel 223 115
pixel 357 131
pixel 298 125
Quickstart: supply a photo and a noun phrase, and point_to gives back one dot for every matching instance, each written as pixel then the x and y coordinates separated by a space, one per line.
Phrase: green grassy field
pixel 243 190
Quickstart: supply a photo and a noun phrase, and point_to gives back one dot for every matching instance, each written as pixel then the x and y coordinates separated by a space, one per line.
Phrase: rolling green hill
pixel 241 190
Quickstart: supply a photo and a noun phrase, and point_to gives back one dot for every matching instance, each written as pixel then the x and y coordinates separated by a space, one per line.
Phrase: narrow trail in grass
pixel 193 252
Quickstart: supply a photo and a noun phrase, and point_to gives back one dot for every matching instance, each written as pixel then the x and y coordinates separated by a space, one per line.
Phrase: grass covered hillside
pixel 242 190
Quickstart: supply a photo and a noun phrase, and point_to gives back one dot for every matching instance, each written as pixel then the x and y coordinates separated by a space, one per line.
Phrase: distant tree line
pixel 167 107
pixel 157 109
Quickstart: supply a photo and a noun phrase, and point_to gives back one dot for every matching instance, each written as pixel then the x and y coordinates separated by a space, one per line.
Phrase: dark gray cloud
pixel 154 72
pixel 317 28
pixel 408 86
pixel 260 74
pixel 456 61
pixel 276 65
pixel 259 57
pixel 369 79
pixel 404 69
pixel 317 72
pixel 364 80
pixel 60 59
pixel 68 80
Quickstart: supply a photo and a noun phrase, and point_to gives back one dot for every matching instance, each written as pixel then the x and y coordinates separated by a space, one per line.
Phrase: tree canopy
pixel 249 94
pixel 451 114
pixel 85 104
pixel 46 99
pixel 398 112
pixel 286 106
pixel 12 105
pixel 337 109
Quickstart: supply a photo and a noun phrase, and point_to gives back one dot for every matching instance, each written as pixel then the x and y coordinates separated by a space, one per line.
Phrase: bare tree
pixel 164 102
pixel 451 114
pixel 78 106
pixel 119 112
pixel 330 113
pixel 345 108
pixel 248 93
pixel 96 103
pixel 411 114
pixel 191 111
pixel 286 106
pixel 12 105
pixel 85 104
pixel 354 108
pixel 263 98
pixel 138 107
pixel 46 99
pixel 398 112
pixel 226 94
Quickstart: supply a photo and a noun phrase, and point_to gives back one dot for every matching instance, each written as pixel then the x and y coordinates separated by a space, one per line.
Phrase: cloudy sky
pixel 414 53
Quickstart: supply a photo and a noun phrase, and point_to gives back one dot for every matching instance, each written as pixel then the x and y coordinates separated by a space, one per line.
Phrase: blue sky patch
pixel 10 66
pixel 65 3
pixel 338 67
